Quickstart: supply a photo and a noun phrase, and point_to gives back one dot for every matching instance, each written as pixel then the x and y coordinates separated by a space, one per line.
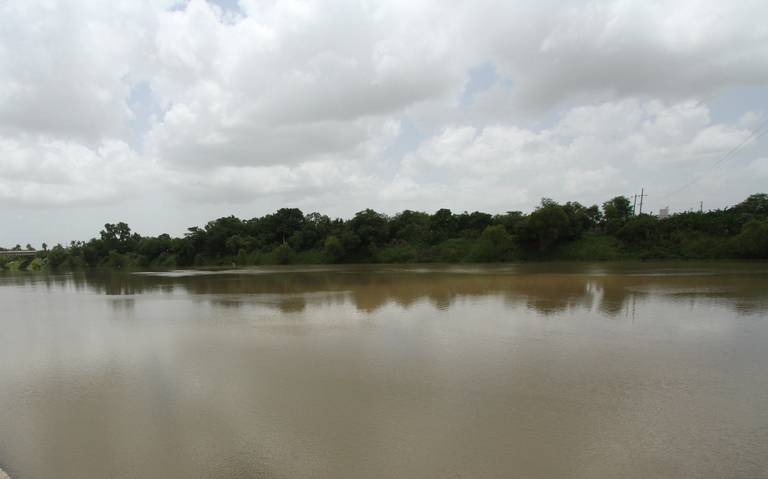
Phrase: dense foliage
pixel 567 231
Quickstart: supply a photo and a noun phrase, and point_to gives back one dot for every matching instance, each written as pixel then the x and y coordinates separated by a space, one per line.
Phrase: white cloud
pixel 591 153
pixel 242 184
pixel 305 102
pixel 758 168
pixel 41 171
pixel 67 68
pixel 293 82
pixel 552 51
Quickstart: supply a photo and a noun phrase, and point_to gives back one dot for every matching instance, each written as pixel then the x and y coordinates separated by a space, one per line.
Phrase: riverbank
pixel 589 249
pixel 552 232
pixel 40 266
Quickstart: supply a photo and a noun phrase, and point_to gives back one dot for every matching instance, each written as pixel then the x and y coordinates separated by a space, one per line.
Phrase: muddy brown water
pixel 535 371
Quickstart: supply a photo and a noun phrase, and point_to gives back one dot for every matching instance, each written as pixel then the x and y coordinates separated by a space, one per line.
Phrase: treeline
pixel 569 231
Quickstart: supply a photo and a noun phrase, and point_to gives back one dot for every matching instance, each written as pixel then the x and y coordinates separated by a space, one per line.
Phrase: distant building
pixel 664 213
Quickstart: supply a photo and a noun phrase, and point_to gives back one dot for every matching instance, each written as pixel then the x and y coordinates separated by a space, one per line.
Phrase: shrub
pixel 283 254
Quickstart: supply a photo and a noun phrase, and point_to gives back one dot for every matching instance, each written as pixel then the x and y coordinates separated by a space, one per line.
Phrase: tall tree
pixel 616 213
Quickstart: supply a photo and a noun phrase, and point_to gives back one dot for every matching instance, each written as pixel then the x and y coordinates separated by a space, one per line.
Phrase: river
pixel 531 371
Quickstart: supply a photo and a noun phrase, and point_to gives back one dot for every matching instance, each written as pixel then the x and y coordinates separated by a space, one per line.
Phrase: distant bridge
pixel 14 255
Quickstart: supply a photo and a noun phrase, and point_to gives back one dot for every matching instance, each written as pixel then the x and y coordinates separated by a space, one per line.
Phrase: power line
pixel 746 140
pixel 754 135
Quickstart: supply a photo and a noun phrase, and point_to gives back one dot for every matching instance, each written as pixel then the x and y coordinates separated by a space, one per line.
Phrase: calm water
pixel 553 371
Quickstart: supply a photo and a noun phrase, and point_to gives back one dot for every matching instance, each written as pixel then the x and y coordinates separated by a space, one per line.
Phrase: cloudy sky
pixel 166 114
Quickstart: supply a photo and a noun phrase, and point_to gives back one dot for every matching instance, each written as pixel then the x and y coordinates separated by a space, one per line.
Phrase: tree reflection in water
pixel 547 289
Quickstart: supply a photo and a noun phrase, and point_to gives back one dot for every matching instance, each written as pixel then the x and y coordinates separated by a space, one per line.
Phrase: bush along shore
pixel 553 231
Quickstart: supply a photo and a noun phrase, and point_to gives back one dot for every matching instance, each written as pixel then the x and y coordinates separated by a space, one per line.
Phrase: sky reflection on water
pixel 538 370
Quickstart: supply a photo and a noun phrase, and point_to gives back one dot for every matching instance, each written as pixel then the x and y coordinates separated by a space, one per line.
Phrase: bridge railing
pixel 17 254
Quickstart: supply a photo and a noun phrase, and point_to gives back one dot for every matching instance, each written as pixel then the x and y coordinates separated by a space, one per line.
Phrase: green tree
pixel 289 236
pixel 639 229
pixel 57 256
pixel 235 244
pixel 548 224
pixel 212 241
pixel 752 242
pixel 756 204
pixel 410 226
pixel 594 216
pixel 581 218
pixel 471 225
pixel 443 225
pixel 116 260
pixel 116 237
pixel 315 229
pixel 333 249
pixel 616 213
pixel 283 224
pixel 283 254
pixel 372 228
pixel 494 244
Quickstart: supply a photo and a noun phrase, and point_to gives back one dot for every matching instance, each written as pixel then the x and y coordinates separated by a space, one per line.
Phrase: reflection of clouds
pixel 547 291
pixel 142 415
pixel 189 389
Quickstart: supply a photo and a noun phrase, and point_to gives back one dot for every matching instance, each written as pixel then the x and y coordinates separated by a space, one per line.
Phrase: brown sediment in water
pixel 577 371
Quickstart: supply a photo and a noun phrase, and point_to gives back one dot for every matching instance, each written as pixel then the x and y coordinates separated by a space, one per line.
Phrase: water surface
pixel 536 371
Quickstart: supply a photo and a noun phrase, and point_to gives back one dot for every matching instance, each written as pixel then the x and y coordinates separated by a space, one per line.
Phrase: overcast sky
pixel 168 114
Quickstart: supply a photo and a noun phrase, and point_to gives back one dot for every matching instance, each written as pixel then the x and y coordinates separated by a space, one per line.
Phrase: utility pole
pixel 701 207
pixel 634 205
pixel 642 195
